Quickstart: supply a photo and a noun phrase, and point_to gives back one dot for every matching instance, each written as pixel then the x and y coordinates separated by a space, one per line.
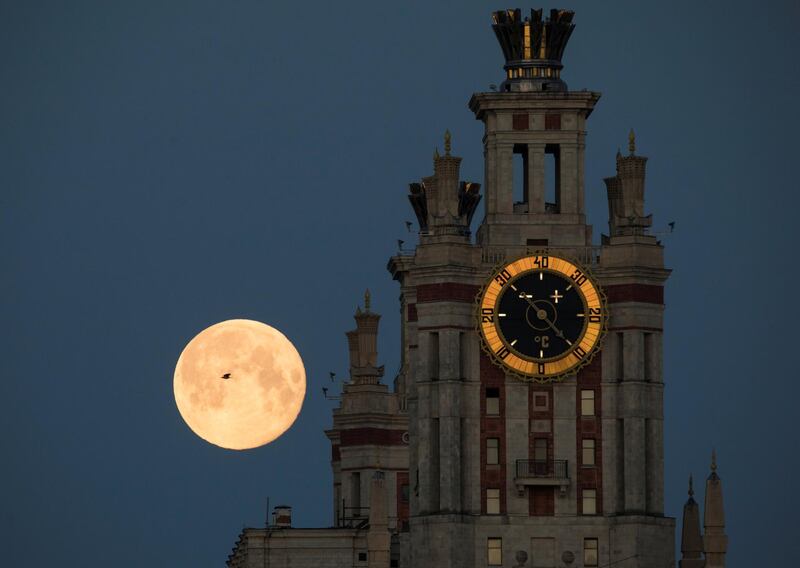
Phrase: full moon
pixel 239 384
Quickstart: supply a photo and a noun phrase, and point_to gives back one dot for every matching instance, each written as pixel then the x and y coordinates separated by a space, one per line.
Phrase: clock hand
pixel 542 315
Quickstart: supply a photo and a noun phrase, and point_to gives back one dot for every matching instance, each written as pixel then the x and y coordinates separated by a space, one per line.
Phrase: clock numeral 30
pixel 579 277
pixel 503 277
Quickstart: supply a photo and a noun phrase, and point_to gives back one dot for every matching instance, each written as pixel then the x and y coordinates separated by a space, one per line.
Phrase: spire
pixel 691 540
pixel 444 205
pixel 363 345
pixel 715 540
pixel 626 194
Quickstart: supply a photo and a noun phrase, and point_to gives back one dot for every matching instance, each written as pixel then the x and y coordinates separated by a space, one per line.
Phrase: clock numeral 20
pixel 487 315
pixel 579 277
pixel 594 315
pixel 503 277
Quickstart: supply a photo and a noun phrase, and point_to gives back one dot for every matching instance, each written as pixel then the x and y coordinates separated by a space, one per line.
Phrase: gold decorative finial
pixel 447 142
pixel 691 489
pixel 367 297
pixel 632 142
pixel 436 153
pixel 713 460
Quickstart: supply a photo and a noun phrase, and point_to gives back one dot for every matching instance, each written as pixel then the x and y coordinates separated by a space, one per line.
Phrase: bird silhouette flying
pixel 226 376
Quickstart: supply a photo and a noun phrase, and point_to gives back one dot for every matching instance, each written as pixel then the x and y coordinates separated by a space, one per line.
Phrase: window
pixel 433 355
pixel 587 457
pixel 590 501
pixel 362 556
pixel 492 402
pixel 590 552
pixel 494 551
pixel 492 501
pixel 404 493
pixel 492 451
pixel 355 492
pixel 587 403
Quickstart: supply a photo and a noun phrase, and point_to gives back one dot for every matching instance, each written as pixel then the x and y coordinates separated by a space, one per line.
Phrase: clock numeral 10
pixel 594 315
pixel 579 353
pixel 541 261
pixel 503 353
pixel 579 277
pixel 503 277
pixel 487 315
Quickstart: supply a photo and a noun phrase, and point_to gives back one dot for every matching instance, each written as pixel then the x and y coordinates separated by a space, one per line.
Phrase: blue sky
pixel 164 166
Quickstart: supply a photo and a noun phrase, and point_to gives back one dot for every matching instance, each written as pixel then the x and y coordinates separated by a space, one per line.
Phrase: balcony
pixel 554 473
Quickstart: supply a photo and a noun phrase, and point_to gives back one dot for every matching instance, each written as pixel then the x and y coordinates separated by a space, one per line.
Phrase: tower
pixel 568 471
pixel 715 542
pixel 368 437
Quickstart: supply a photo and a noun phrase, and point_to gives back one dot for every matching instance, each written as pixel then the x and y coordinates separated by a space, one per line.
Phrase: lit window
pixel 590 552
pixel 492 501
pixel 494 551
pixel 492 451
pixel 587 403
pixel 492 402
pixel 590 501
pixel 587 457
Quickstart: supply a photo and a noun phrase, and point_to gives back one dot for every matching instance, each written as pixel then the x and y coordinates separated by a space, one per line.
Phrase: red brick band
pixel 371 436
pixel 646 293
pixel 446 292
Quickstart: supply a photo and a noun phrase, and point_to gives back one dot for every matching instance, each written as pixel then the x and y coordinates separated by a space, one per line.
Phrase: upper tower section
pixel 533 48
pixel 534 140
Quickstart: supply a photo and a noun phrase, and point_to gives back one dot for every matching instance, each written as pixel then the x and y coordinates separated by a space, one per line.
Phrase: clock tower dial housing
pixel 541 317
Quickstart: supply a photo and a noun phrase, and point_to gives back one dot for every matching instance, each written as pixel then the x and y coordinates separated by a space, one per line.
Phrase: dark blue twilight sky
pixel 167 165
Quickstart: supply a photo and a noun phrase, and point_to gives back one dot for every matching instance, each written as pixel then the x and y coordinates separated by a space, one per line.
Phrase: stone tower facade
pixel 369 436
pixel 561 473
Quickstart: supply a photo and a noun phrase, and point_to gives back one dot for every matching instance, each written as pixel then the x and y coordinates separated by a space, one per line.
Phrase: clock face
pixel 541 317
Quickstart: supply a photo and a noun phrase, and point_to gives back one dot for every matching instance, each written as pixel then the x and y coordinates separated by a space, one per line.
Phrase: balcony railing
pixel 586 255
pixel 548 469
pixel 542 472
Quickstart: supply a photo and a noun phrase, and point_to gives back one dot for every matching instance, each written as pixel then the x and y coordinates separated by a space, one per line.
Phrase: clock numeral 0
pixel 503 277
pixel 503 353
pixel 579 277
pixel 541 261
pixel 540 369
pixel 594 315
pixel 579 353
pixel 487 315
